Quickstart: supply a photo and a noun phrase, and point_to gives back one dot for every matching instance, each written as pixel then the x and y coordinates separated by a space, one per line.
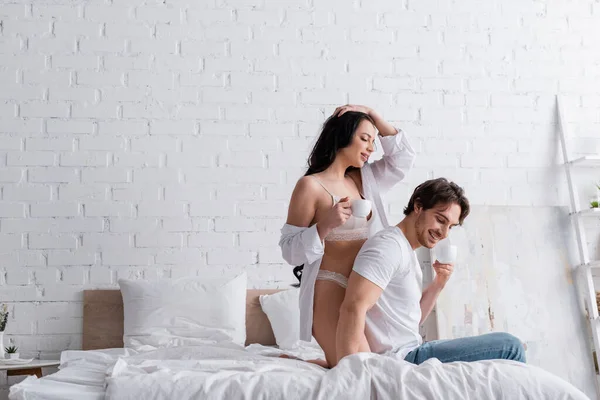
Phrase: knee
pixel 514 348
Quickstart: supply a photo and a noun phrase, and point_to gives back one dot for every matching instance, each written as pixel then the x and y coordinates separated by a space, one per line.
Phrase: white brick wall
pixel 149 140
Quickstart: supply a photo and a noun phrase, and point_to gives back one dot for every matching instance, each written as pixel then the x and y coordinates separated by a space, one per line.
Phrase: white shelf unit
pixel 590 212
pixel 592 265
pixel 587 161
pixel 583 271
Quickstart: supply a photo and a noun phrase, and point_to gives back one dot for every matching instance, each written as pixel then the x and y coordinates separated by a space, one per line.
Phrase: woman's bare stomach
pixel 339 256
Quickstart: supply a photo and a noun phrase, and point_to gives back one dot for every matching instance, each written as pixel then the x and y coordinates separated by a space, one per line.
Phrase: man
pixel 385 287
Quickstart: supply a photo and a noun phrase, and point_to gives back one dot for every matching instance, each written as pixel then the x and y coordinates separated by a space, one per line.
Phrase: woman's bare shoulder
pixel 303 203
pixel 307 185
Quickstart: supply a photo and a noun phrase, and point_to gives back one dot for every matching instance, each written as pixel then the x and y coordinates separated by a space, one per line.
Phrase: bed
pixel 104 369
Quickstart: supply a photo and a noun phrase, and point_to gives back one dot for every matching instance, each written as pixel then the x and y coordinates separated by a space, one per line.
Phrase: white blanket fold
pixel 218 372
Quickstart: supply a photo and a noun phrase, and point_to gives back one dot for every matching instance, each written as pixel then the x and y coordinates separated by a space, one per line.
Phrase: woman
pixel 321 232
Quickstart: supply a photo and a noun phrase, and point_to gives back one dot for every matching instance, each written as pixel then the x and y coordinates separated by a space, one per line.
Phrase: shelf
pixel 591 264
pixel 594 267
pixel 589 212
pixel 587 161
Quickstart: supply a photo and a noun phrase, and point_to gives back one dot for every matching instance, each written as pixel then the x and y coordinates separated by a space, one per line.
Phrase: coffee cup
pixel 361 208
pixel 446 253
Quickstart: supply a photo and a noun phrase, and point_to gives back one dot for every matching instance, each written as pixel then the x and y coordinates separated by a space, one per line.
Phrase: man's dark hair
pixel 439 191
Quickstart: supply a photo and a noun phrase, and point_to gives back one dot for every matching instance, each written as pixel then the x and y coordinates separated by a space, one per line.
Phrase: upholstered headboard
pixel 103 319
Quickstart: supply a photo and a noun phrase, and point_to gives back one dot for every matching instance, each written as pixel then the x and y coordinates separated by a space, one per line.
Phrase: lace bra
pixel 353 229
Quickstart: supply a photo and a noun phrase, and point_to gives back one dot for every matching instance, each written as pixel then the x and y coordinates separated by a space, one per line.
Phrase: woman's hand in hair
pixel 384 127
pixel 341 110
pixel 335 217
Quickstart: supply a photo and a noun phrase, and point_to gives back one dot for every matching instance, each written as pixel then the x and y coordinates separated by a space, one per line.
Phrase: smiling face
pixel 361 146
pixel 433 225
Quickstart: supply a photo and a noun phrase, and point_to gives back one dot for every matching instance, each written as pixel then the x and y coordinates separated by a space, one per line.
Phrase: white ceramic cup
pixel 361 208
pixel 446 253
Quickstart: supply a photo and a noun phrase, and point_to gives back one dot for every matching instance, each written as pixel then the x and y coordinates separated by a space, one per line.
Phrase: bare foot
pixel 319 362
pixel 290 357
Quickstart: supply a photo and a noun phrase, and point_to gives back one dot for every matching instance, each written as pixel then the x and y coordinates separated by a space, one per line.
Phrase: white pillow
pixel 282 309
pixel 184 311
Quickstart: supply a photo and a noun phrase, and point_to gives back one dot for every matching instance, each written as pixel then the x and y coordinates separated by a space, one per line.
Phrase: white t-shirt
pixel 388 260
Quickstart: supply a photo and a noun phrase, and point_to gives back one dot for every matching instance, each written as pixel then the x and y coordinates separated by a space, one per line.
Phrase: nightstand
pixel 31 368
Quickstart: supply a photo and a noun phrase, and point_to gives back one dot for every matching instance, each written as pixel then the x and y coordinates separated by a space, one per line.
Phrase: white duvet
pixel 231 372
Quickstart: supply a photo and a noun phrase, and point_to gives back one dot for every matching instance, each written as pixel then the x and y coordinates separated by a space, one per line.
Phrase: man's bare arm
pixel 361 295
pixel 428 300
pixel 430 295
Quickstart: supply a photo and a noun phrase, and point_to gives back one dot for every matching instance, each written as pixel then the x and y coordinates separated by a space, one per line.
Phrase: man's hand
pixel 442 273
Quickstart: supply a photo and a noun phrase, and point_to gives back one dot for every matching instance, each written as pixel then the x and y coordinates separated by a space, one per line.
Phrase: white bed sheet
pixel 232 372
pixel 81 375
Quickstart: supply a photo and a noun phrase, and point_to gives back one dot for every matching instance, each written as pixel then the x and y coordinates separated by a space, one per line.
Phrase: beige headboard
pixel 103 319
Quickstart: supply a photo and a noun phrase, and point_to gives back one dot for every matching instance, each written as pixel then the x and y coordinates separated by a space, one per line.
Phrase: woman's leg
pixel 328 300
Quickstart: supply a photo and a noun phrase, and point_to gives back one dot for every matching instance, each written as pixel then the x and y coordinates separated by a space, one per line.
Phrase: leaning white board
pixel 514 274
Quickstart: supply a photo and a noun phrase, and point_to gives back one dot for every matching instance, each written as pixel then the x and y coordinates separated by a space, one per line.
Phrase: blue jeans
pixel 491 346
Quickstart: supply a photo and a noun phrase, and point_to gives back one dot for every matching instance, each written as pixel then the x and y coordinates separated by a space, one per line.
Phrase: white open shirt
pixel 302 245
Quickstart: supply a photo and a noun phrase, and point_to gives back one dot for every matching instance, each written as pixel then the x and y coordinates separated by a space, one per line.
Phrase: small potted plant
pixel 12 352
pixel 595 200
